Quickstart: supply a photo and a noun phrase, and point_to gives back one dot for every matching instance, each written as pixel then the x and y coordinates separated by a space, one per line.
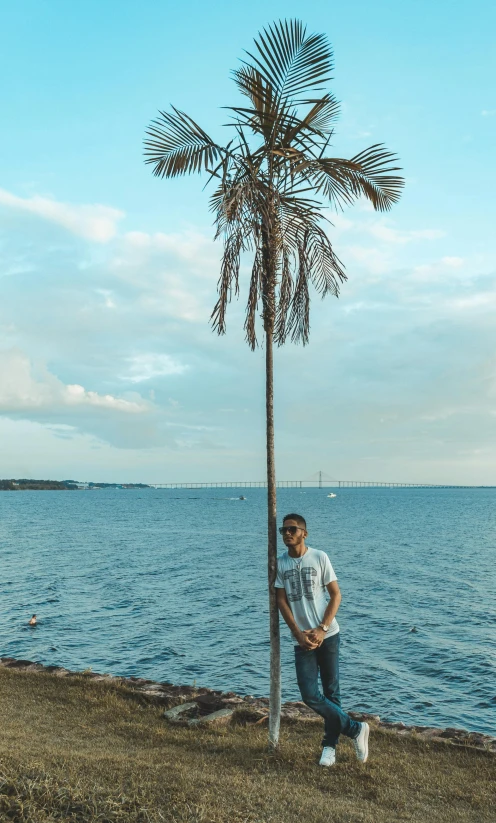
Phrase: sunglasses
pixel 290 529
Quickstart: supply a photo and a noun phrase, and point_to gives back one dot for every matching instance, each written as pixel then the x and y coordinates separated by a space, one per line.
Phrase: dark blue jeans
pixel 324 660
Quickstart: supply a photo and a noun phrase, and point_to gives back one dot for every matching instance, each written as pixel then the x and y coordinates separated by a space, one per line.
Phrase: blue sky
pixel 108 368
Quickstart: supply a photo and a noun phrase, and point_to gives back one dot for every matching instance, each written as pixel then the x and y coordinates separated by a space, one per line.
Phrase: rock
pixel 210 702
pixel 290 714
pixel 173 715
pixel 452 734
pixel 478 739
pixel 155 696
pixel 246 714
pixel 426 732
pixel 296 704
pixel 154 687
pixel 59 671
pixel 12 663
pixel 215 718
pixel 384 724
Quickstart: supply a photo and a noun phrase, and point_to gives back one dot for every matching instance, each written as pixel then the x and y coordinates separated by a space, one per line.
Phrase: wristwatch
pixel 324 627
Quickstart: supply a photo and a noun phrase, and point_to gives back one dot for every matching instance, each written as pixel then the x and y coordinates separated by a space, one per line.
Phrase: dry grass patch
pixel 76 750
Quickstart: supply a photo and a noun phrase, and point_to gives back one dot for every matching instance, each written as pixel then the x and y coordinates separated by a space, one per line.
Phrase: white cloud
pixel 146 366
pixel 175 275
pixel 481 300
pixel 389 235
pixel 93 222
pixel 439 269
pixel 452 262
pixel 373 259
pixel 24 387
pixel 190 246
pixel 192 428
pixel 340 224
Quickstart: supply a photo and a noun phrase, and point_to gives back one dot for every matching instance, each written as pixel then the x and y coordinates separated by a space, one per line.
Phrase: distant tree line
pixel 118 486
pixel 24 484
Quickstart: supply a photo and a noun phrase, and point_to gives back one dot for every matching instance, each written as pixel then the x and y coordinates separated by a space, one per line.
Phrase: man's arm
pixel 318 635
pixel 303 640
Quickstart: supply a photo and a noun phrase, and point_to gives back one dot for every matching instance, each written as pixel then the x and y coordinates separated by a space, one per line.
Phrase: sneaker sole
pixel 366 743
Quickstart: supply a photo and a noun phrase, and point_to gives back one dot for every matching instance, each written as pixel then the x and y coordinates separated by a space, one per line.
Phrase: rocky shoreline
pixel 192 706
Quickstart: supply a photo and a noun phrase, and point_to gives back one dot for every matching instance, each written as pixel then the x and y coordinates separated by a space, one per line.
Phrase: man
pixel 304 579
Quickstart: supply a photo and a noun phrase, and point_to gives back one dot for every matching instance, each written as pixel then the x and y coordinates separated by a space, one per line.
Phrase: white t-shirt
pixel 304 580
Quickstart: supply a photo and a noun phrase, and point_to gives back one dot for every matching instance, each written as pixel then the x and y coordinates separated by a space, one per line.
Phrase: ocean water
pixel 171 585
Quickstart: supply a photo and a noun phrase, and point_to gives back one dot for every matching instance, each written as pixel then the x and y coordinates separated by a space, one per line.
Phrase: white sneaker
pixel 328 756
pixel 361 742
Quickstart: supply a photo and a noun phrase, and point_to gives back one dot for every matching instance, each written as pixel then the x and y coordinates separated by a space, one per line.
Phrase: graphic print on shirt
pixel 301 584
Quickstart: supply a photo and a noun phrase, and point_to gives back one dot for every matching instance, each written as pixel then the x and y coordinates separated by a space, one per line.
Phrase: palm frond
pixel 325 268
pixel 303 139
pixel 253 299
pixel 325 111
pixel 298 323
pixel 286 284
pixel 177 145
pixel 235 201
pixel 373 176
pixel 291 62
pixel 368 174
pixel 251 83
pixel 228 280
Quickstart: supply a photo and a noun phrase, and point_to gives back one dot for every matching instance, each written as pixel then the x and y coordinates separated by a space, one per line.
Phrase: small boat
pixel 332 495
pixel 242 498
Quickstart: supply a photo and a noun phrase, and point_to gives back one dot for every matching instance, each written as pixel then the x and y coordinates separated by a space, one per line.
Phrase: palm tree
pixel 273 181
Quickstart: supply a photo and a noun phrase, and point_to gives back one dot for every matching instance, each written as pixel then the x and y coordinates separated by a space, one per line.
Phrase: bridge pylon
pixel 321 477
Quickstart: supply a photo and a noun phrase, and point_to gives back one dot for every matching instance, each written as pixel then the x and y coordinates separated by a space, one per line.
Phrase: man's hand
pixel 316 636
pixel 305 641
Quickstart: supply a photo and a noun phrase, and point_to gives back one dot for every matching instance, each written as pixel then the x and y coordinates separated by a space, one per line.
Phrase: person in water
pixel 32 622
pixel 308 598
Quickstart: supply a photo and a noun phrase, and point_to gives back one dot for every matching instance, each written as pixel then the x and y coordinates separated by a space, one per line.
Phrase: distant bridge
pixel 301 484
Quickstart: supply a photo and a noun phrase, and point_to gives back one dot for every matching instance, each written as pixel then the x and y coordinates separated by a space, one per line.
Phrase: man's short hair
pixel 299 519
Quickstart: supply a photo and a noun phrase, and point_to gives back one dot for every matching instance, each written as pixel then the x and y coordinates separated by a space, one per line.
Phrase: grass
pixel 76 750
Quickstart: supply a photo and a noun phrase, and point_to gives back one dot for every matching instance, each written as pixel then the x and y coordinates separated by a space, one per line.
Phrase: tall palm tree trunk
pixel 275 646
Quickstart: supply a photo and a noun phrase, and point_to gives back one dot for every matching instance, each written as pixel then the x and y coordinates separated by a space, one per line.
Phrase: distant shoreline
pixel 63 485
